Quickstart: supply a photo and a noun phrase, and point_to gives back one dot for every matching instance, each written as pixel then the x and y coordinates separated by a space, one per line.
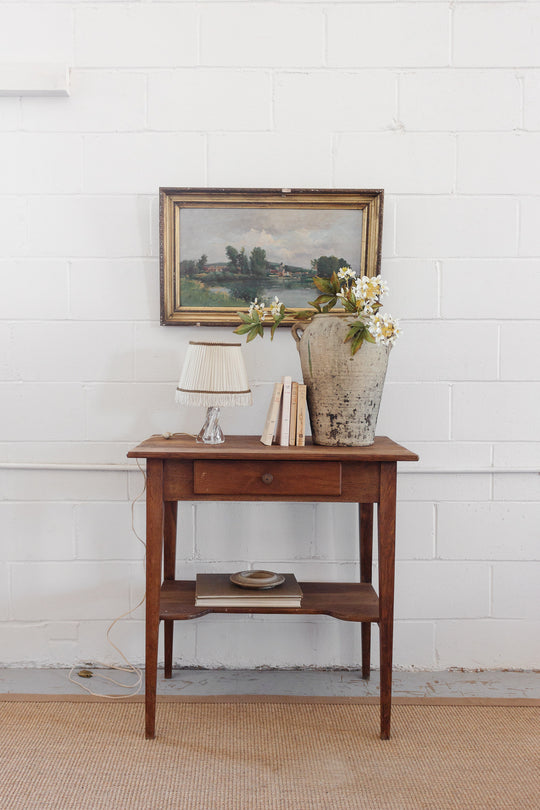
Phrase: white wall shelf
pixel 39 79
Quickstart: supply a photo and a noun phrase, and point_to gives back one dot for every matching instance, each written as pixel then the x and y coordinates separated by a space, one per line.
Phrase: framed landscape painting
pixel 222 248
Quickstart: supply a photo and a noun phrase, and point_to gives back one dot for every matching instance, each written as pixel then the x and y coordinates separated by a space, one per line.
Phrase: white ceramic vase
pixel 343 391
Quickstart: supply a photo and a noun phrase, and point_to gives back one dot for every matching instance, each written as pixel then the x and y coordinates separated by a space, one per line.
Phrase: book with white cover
pixel 285 422
pixel 267 436
pixel 294 403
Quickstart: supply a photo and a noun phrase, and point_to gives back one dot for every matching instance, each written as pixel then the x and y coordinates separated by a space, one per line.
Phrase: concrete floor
pixel 495 684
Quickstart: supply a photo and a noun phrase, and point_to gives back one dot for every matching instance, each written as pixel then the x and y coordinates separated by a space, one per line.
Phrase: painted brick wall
pixel 436 102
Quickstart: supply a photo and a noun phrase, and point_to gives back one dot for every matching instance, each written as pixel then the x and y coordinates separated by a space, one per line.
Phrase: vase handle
pixel 295 328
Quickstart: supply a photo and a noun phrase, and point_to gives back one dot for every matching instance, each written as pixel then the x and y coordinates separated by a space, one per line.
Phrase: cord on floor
pixel 85 673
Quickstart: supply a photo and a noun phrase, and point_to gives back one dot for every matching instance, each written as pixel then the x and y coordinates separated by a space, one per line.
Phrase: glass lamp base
pixel 211 432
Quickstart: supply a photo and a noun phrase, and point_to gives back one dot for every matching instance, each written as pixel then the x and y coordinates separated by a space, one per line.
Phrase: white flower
pixel 275 307
pixel 367 309
pixel 346 273
pixel 368 292
pixel 380 285
pixel 358 288
pixel 260 308
pixel 384 329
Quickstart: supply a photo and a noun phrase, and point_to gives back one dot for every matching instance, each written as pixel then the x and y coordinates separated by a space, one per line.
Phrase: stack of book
pixel 217 590
pixel 286 415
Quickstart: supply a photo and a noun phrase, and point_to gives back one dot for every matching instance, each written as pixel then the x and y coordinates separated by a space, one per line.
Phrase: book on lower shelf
pixel 217 590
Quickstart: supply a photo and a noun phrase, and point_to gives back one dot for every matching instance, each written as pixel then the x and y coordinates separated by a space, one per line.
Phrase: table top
pixel 249 448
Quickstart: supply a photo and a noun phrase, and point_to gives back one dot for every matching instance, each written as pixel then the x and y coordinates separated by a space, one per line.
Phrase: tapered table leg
pixel 387 529
pixel 169 566
pixel 366 563
pixel 154 543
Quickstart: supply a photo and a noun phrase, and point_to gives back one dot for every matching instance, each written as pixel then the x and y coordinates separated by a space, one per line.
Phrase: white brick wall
pixel 452 226
pixel 135 35
pixel 275 159
pixel 255 35
pixel 300 96
pixel 88 226
pixel 496 34
pixel 529 236
pixel 229 99
pixel 37 32
pixel 390 34
pixel 437 102
pixel 460 100
pixel 409 163
pixel 99 101
pixel 130 163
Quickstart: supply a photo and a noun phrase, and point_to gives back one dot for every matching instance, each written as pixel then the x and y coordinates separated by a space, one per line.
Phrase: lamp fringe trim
pixel 219 399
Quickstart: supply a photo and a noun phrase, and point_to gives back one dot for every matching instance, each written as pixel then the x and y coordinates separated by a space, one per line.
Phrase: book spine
pixel 301 416
pixel 272 415
pixel 294 404
pixel 286 412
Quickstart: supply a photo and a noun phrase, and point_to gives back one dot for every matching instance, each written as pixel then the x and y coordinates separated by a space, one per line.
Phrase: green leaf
pixel 369 337
pixel 331 303
pixel 273 329
pixel 253 334
pixel 315 306
pixel 323 299
pixel 356 329
pixel 323 284
pixel 357 343
pixel 304 315
pixel 244 317
pixel 243 329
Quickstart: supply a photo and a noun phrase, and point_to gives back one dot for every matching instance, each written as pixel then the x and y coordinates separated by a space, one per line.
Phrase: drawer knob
pixel 267 478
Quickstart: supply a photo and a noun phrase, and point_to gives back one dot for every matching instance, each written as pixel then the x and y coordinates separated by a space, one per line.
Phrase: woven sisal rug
pixel 267 754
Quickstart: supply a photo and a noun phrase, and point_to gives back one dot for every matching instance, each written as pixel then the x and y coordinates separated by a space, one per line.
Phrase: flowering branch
pixel 358 295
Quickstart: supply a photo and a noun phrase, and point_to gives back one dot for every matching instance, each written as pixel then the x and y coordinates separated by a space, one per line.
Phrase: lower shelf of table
pixel 349 601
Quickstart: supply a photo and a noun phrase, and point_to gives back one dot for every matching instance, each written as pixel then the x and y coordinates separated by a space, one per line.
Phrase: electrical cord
pixel 168 435
pixel 86 673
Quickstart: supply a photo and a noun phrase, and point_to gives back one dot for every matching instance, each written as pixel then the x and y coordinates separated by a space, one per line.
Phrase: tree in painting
pixel 257 260
pixel 201 264
pixel 324 266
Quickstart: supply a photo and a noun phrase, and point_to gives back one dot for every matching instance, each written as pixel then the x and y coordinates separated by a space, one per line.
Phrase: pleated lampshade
pixel 213 375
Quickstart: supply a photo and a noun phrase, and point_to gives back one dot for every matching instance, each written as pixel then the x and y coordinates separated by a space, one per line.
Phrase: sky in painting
pixel 293 237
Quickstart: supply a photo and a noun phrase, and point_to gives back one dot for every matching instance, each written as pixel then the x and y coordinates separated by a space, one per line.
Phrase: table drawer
pixel 267 478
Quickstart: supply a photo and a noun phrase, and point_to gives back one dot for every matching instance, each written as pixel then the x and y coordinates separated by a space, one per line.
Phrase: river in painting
pixel 290 297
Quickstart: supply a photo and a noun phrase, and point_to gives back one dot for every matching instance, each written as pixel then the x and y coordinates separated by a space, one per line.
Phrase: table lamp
pixel 213 375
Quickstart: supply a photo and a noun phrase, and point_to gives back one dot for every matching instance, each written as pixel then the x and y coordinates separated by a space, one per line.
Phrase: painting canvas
pixel 233 256
pixel 223 256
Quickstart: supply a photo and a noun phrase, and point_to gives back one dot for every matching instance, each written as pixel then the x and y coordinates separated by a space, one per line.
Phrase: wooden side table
pixel 243 469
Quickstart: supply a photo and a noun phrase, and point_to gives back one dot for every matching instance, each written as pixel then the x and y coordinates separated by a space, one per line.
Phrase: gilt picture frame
pixel 222 248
